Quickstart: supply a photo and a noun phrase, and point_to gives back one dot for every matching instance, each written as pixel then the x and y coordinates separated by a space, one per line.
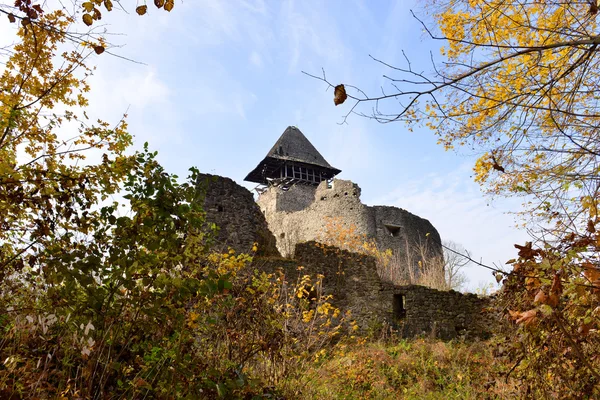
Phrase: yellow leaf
pixel 169 4
pixel 88 6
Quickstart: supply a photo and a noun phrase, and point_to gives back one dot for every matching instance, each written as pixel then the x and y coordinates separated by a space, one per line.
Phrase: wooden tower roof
pixel 291 148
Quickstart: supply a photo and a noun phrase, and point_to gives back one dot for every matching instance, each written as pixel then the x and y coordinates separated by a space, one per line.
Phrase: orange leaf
pixel 169 5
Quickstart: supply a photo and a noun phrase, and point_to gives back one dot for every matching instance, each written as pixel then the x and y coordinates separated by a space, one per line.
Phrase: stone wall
pixel 233 210
pixel 298 214
pixel 419 310
pixel 351 278
pixel 411 310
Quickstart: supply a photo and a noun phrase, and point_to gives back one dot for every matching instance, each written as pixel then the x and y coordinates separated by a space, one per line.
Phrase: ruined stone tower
pixel 298 193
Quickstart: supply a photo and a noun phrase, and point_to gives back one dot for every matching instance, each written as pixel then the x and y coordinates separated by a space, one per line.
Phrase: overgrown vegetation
pixel 400 369
pixel 98 304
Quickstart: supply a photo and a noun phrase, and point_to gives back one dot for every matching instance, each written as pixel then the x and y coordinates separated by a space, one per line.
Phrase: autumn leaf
pixel 97 15
pixel 141 10
pixel 526 318
pixel 88 6
pixel 169 4
pixel 159 3
pixel 99 49
pixel 339 95
pixel 540 297
pixel 526 251
pixel 87 19
pixel 108 4
pixel 557 287
pixel 590 226
pixel 11 17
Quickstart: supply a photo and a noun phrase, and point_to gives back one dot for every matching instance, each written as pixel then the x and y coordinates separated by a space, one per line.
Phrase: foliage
pixel 100 304
pixel 518 84
pixel 45 186
pixel 32 14
pixel 142 307
pixel 553 296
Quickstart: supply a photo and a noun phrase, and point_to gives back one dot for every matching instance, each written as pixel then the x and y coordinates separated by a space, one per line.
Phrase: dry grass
pixel 415 265
pixel 419 369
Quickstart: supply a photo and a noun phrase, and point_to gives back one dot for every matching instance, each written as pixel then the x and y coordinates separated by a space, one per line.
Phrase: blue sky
pixel 222 80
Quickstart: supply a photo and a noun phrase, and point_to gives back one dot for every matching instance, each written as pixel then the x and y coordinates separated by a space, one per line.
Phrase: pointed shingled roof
pixel 292 146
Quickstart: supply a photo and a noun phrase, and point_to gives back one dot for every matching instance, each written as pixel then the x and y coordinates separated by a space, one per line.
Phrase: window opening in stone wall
pixel 393 230
pixel 399 306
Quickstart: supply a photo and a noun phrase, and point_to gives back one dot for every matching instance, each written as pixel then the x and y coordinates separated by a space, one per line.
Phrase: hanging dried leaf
pixel 339 95
pixel 169 4
pixel 498 277
pixel 593 7
pixel 99 49
pixel 108 4
pixel 526 251
pixel 11 18
pixel 87 19
pixel 141 10
pixel 159 3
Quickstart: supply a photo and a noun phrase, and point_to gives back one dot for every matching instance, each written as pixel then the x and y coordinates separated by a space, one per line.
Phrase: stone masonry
pixel 419 310
pixel 233 210
pixel 298 214
pixel 411 310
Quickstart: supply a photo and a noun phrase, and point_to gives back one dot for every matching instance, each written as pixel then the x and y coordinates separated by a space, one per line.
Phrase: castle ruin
pixel 297 193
